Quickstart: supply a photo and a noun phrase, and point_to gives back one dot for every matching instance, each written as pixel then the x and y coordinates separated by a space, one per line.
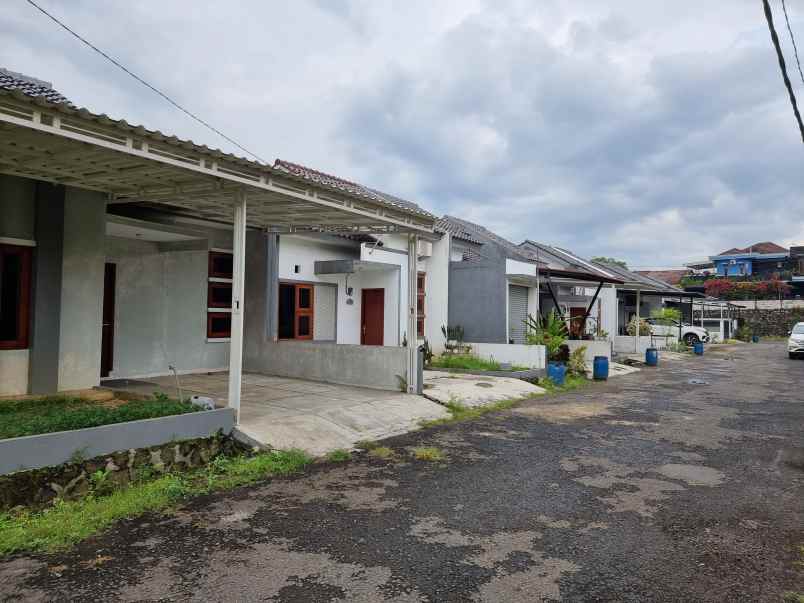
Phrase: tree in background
pixel 615 261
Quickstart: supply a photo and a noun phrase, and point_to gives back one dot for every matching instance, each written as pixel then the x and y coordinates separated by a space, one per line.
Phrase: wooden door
pixel 304 312
pixel 576 322
pixel 372 317
pixel 107 330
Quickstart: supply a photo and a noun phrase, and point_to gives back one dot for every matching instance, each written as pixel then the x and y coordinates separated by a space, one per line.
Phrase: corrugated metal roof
pixel 558 258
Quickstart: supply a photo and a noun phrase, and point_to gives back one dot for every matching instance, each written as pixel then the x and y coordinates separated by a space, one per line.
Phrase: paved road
pixel 644 489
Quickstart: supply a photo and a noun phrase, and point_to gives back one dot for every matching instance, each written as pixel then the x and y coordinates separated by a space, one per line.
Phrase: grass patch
pixel 367 445
pixel 792 597
pixel 381 452
pixel 459 412
pixel 571 382
pixel 428 453
pixel 69 522
pixel 340 455
pixel 469 362
pixel 60 413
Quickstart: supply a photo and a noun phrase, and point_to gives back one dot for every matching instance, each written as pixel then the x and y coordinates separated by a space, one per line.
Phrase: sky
pixel 655 132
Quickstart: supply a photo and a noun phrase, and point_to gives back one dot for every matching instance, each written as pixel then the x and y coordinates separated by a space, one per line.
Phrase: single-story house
pixel 126 252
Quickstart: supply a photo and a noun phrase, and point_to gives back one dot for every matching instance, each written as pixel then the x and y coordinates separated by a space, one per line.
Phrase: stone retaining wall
pixel 771 322
pixel 38 487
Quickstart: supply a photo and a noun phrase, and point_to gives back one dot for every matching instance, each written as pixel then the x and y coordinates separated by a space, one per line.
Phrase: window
pixel 15 296
pixel 295 311
pixel 219 295
pixel 420 295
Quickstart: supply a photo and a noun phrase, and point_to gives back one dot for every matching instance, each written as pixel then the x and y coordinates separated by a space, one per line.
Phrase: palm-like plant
pixel 549 331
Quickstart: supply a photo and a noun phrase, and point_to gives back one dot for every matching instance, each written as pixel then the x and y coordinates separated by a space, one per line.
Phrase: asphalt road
pixel 646 488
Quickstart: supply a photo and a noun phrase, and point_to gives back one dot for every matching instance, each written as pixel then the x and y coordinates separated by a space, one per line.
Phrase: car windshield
pixel 799 329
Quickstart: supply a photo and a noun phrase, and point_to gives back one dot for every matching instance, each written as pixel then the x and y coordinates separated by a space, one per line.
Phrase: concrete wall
pixel 532 356
pixel 628 345
pixel 13 372
pixel 593 348
pixel 83 258
pixel 478 299
pixel 51 449
pixel 367 366
pixel 161 310
pixel 436 301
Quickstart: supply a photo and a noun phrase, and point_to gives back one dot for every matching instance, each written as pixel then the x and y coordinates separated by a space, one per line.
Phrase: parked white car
pixel 795 345
pixel 690 334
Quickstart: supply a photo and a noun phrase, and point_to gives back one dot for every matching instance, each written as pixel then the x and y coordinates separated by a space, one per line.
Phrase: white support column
pixel 637 330
pixel 413 345
pixel 238 280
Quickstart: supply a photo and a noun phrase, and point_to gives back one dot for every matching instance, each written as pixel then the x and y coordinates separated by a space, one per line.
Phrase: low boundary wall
pixel 626 344
pixel 379 367
pixel 532 356
pixel 51 449
pixel 593 348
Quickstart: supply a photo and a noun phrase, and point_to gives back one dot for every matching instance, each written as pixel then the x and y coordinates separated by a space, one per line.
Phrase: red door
pixel 107 330
pixel 372 317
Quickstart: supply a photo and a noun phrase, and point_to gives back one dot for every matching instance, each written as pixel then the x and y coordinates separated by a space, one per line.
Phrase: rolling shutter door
pixel 517 312
pixel 324 301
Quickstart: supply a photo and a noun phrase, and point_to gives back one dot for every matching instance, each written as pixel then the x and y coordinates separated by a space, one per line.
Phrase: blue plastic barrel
pixel 556 372
pixel 600 368
pixel 698 348
pixel 652 357
pixel 755 338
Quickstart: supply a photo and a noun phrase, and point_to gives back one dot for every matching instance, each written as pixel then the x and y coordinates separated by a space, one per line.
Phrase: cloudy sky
pixel 656 132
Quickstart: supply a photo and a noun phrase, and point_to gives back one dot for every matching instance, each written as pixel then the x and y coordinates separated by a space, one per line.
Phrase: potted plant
pixel 551 332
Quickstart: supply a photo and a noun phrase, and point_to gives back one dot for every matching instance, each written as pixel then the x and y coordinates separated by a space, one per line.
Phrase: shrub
pixel 577 361
pixel 549 331
pixel 644 327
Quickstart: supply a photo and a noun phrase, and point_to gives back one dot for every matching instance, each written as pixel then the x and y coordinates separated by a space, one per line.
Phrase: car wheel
pixel 690 339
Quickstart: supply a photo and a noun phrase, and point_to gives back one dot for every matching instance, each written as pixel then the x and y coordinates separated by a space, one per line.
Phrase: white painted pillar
pixel 413 354
pixel 636 335
pixel 238 280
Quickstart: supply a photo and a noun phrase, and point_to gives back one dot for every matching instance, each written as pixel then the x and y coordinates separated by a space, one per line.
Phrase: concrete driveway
pixel 645 488
pixel 293 413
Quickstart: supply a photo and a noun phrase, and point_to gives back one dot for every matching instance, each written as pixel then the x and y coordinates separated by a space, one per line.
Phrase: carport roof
pixel 57 142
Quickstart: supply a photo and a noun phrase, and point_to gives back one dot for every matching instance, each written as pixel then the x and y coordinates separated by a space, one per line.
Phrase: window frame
pixel 218 280
pixel 298 311
pixel 25 254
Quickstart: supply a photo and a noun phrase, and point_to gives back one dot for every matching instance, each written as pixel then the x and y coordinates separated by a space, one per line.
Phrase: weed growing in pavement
pixel 459 412
pixel 69 522
pixel 381 452
pixel 428 453
pixel 367 445
pixel 571 382
pixel 340 455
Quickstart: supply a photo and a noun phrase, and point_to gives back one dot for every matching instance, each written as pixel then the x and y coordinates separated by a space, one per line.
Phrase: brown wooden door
pixel 576 321
pixel 107 331
pixel 372 317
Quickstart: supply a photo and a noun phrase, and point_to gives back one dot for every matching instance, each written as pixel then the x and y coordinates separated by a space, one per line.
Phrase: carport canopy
pixel 59 143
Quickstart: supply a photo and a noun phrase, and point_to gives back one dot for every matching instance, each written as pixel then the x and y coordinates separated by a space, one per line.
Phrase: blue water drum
pixel 556 372
pixel 755 338
pixel 600 368
pixel 698 348
pixel 652 357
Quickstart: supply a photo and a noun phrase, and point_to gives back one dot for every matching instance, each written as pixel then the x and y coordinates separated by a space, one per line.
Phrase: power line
pixel 144 83
pixel 793 40
pixel 782 66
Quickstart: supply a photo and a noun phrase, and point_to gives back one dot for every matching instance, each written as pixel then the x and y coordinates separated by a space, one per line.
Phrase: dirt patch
pixel 694 475
pixel 566 412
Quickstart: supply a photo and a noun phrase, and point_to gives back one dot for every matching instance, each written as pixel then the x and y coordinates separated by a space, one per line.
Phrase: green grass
pixel 571 382
pixel 59 413
pixel 428 453
pixel 69 522
pixel 459 412
pixel 339 456
pixel 792 597
pixel 381 452
pixel 469 362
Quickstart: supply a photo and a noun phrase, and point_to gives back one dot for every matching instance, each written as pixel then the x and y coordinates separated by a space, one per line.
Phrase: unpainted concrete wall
pixel 478 300
pixel 13 372
pixel 532 356
pixel 367 366
pixel 593 348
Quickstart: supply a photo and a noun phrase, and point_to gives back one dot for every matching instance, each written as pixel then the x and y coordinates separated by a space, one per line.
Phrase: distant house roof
pixel 347 186
pixel 31 86
pixel 764 247
pixel 671 277
pixel 643 282
pixel 481 234
pixel 555 259
pixel 457 230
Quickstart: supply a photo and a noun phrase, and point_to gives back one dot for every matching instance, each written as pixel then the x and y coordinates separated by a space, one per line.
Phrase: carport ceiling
pixel 77 148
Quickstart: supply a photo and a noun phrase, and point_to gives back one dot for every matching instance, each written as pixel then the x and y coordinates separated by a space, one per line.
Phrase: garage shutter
pixel 517 312
pixel 324 301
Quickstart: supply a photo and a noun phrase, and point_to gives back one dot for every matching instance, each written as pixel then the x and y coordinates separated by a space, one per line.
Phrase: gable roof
pixel 347 186
pixel 482 234
pixel 558 258
pixel 643 282
pixel 456 230
pixel 671 277
pixel 763 247
pixel 31 86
